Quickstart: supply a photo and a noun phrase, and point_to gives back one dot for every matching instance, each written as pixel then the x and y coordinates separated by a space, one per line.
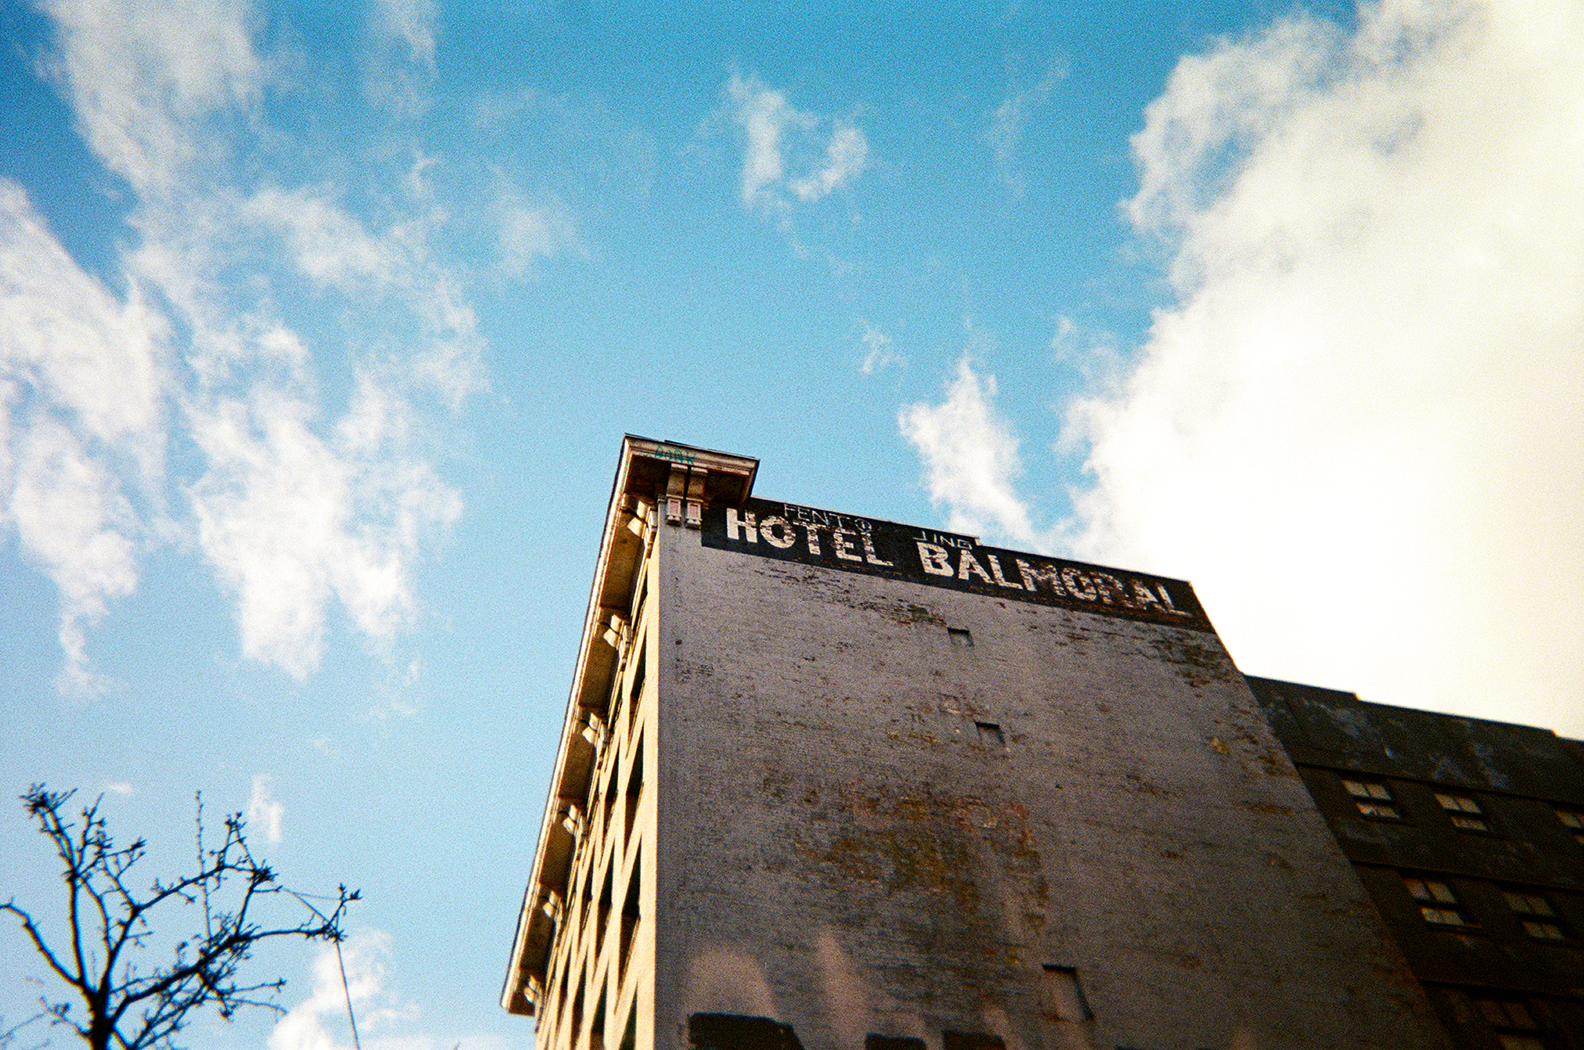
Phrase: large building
pixel 833 782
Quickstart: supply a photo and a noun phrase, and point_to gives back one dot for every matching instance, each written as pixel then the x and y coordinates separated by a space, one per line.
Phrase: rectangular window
pixel 1574 822
pixel 1438 905
pixel 960 637
pixel 1511 1022
pixel 990 734
pixel 1064 997
pixel 1372 799
pixel 1539 921
pixel 1463 812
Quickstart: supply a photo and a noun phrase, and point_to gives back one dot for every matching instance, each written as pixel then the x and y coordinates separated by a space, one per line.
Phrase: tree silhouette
pixel 128 1001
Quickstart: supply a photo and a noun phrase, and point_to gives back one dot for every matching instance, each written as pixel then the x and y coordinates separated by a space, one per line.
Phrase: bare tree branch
pixel 130 1002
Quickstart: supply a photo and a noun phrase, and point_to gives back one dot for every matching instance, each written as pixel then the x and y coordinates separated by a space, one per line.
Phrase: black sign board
pixel 788 532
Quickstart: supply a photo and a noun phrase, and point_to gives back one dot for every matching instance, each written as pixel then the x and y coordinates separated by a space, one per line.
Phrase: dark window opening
pixel 971 1041
pixel 605 898
pixel 635 694
pixel 629 916
pixel 1574 822
pixel 1064 997
pixel 961 637
pixel 1511 1022
pixel 892 1042
pixel 634 790
pixel 990 734
pixel 735 1032
pixel 597 1025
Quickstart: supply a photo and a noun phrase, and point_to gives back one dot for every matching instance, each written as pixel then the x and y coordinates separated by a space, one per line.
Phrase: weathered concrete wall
pixel 842 849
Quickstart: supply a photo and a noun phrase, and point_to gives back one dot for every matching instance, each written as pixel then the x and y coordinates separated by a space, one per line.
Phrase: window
pixel 1437 903
pixel 961 637
pixel 990 734
pixel 1539 921
pixel 1512 1022
pixel 971 1041
pixel 1371 798
pixel 1574 822
pixel 1064 997
pixel 1463 812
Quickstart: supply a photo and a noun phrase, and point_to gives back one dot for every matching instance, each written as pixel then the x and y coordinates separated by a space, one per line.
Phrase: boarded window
pixel 735 1032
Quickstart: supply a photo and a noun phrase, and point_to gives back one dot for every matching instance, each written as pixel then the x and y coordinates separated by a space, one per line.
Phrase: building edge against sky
pixel 884 787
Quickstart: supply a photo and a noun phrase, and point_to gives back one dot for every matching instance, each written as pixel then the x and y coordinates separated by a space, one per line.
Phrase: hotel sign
pixel 788 532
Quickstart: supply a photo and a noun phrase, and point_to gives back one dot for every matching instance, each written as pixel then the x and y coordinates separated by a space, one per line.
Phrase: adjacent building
pixel 1469 837
pixel 827 781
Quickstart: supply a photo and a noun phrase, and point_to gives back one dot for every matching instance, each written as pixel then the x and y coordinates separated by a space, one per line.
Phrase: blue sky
pixel 320 326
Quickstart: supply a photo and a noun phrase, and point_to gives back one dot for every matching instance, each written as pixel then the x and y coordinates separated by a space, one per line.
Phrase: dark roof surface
pixel 1327 727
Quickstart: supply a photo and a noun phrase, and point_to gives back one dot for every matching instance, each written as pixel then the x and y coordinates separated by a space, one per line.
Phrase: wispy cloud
pixel 385 1020
pixel 971 460
pixel 1358 430
pixel 775 134
pixel 878 350
pixel 1007 121
pixel 529 229
pixel 263 811
pixel 296 501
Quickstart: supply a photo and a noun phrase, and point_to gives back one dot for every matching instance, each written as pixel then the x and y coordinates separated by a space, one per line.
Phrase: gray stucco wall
pixel 841 847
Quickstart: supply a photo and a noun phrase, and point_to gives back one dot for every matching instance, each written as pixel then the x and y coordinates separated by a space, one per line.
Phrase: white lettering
pixel 1143 597
pixel 1110 588
pixel 969 565
pixel 935 559
pixel 869 551
pixel 777 532
pixel 1078 585
pixel 1034 576
pixel 995 570
pixel 813 539
pixel 842 544
pixel 742 527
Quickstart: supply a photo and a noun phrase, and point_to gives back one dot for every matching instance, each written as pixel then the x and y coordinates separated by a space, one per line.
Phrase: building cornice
pixel 657 483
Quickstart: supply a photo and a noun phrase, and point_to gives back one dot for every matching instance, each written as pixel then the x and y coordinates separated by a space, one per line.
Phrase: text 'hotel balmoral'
pixel 789 532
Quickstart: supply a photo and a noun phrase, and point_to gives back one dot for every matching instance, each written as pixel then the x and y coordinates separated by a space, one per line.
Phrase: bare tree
pixel 131 1001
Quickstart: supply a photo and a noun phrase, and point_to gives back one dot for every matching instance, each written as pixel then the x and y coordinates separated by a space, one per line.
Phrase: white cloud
pixel 263 810
pixel 773 130
pixel 412 22
pixel 529 230
pixel 878 350
pixel 844 161
pixel 298 503
pixel 1007 122
pixel 143 79
pixel 385 1020
pixel 971 461
pixel 82 407
pixel 1358 431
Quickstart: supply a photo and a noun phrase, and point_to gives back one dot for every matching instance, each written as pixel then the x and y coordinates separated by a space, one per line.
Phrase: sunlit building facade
pixel 827 781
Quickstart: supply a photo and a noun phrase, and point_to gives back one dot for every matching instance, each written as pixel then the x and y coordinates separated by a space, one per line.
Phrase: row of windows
pixel 1440 906
pixel 1375 800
